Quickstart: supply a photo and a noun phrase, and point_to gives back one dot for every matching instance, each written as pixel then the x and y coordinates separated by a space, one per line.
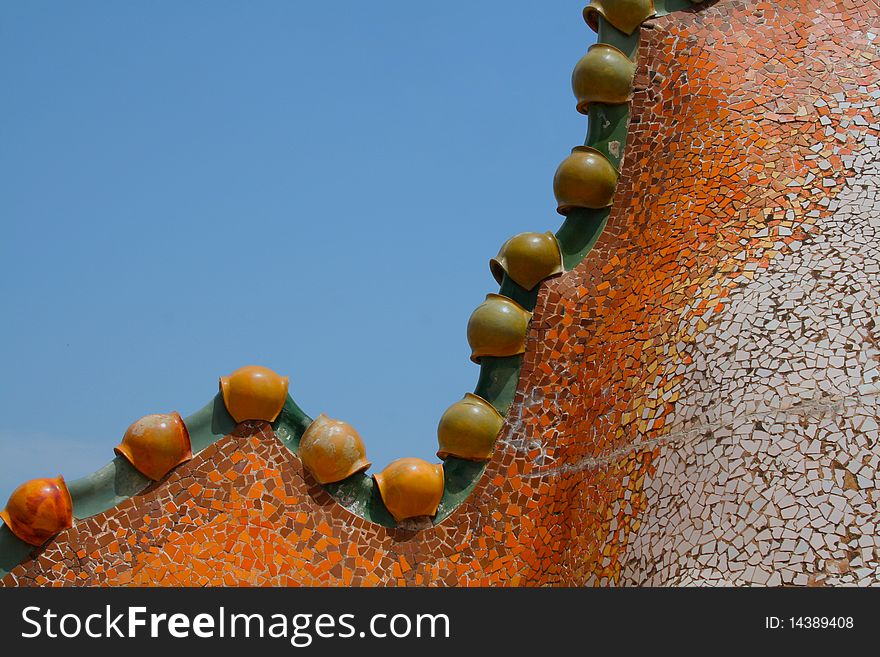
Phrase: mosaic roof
pixel 693 400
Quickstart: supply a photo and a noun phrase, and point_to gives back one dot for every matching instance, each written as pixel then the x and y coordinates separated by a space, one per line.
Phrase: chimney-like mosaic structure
pixel 679 386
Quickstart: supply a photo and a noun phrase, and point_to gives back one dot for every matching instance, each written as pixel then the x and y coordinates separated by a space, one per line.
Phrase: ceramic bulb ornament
pixel 332 450
pixel 411 488
pixel 39 509
pixel 468 429
pixel 528 259
pixel 156 444
pixel 498 327
pixel 585 179
pixel 625 15
pixel 254 393
pixel 603 75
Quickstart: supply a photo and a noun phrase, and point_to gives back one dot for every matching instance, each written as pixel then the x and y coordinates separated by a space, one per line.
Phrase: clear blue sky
pixel 187 187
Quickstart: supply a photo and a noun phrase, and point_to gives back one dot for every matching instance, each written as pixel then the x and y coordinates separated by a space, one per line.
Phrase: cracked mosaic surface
pixel 698 402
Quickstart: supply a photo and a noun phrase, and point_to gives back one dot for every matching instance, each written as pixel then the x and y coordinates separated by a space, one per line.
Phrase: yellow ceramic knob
pixel 603 75
pixel 332 450
pixel 411 488
pixel 468 429
pixel 528 258
pixel 254 393
pixel 39 509
pixel 156 444
pixel 498 327
pixel 585 179
pixel 625 15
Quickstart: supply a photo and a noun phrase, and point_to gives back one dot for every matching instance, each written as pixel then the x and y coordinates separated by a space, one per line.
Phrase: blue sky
pixel 188 187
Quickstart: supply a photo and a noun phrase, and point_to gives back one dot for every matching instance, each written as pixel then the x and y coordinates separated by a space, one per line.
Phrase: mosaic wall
pixel 698 402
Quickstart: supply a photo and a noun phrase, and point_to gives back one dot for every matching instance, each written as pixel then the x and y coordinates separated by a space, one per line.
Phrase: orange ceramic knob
pixel 528 258
pixel 39 509
pixel 411 487
pixel 603 75
pixel 254 393
pixel 625 15
pixel 156 444
pixel 498 327
pixel 585 179
pixel 468 429
pixel 332 450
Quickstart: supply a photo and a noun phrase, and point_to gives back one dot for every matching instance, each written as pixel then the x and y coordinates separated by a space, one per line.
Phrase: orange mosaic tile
pixel 698 402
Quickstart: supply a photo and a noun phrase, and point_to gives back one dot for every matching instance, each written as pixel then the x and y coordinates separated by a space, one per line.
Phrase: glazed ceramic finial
pixel 332 450
pixel 254 393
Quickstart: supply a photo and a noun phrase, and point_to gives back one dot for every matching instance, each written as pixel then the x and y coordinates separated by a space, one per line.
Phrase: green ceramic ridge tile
pixel 526 298
pixel 664 7
pixel 609 125
pixel 12 550
pixel 628 44
pixel 209 424
pixel 498 380
pixel 360 495
pixel 291 424
pixel 579 233
pixel 102 490
pixel 460 477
